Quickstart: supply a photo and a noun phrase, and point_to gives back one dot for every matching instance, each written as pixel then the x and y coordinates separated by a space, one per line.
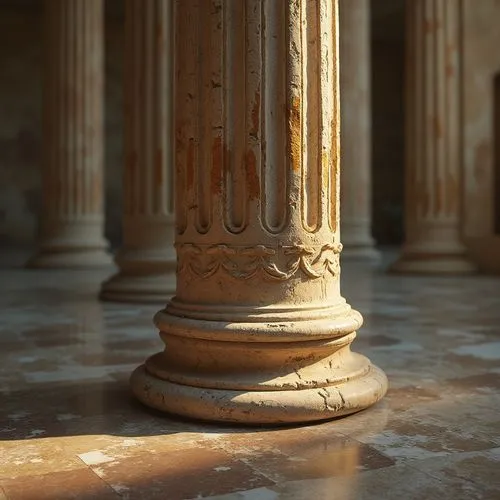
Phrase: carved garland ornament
pixel 276 263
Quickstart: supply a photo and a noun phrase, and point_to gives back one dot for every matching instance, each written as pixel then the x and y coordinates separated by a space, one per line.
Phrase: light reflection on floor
pixel 69 429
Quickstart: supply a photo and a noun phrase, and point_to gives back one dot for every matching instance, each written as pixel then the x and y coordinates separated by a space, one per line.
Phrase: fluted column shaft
pixel 257 330
pixel 433 130
pixel 147 260
pixel 72 218
pixel 356 179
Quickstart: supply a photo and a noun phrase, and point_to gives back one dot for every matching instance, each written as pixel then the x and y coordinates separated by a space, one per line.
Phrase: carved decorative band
pixel 275 263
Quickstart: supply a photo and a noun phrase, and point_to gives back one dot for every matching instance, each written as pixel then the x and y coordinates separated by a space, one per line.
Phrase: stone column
pixel 257 331
pixel 433 141
pixel 355 81
pixel 72 218
pixel 147 260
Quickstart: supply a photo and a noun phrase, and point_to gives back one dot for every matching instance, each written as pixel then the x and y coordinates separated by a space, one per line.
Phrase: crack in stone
pixel 341 399
pixel 325 395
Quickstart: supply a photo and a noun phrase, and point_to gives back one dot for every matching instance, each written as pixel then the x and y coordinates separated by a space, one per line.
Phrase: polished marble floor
pixel 69 428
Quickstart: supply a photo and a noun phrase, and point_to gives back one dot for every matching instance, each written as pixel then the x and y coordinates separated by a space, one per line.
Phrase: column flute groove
pixel 72 215
pixel 433 131
pixel 257 330
pixel 147 259
pixel 356 178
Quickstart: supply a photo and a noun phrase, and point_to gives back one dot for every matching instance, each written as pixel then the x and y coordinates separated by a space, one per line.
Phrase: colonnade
pixel 255 327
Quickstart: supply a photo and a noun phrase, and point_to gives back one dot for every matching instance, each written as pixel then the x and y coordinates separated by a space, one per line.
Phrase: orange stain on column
pixel 333 166
pixel 255 115
pixel 295 134
pixel 252 178
pixel 159 34
pixel 217 161
pixel 438 128
pixel 428 26
pixel 190 164
pixel 325 168
pixel 450 66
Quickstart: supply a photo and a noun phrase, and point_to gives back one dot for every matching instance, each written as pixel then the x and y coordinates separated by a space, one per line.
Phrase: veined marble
pixel 69 428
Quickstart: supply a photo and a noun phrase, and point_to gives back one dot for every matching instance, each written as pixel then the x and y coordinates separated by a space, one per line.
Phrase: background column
pixel 147 260
pixel 434 190
pixel 257 331
pixel 72 217
pixel 356 178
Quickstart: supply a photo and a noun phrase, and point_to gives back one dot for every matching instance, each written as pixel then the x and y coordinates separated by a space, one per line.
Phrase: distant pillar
pixel 434 161
pixel 356 178
pixel 72 217
pixel 147 260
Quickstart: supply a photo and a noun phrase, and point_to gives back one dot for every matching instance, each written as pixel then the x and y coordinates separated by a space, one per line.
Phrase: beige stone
pixel 481 132
pixel 147 260
pixel 72 218
pixel 434 193
pixel 257 331
pixel 356 182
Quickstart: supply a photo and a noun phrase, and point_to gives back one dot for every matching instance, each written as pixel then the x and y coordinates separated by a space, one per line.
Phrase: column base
pixel 77 259
pixel 282 367
pixel 361 253
pixel 150 289
pixel 433 264
pixel 265 407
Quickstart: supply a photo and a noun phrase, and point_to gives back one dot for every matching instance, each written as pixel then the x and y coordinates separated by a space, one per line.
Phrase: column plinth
pixel 434 159
pixel 257 331
pixel 356 178
pixel 72 218
pixel 147 260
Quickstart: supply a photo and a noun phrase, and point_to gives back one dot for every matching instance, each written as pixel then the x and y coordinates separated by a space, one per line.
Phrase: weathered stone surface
pixel 257 331
pixel 72 218
pixel 356 133
pixel 434 167
pixel 147 259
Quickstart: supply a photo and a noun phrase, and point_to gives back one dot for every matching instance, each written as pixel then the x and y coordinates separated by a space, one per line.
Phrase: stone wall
pixel 21 64
pixel 20 117
pixel 20 121
pixel 481 66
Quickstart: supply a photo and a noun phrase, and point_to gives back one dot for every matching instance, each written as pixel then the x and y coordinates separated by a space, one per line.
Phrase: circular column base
pixel 265 407
pixel 145 288
pixel 77 259
pixel 433 264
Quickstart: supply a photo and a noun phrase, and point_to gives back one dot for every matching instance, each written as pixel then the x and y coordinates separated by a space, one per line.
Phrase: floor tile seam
pixel 139 452
pixel 101 479
pixel 55 470
pixel 457 430
pixel 410 463
pixel 227 448
pixel 443 480
pixel 415 419
pixel 443 453
pixel 257 472
pixel 373 446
